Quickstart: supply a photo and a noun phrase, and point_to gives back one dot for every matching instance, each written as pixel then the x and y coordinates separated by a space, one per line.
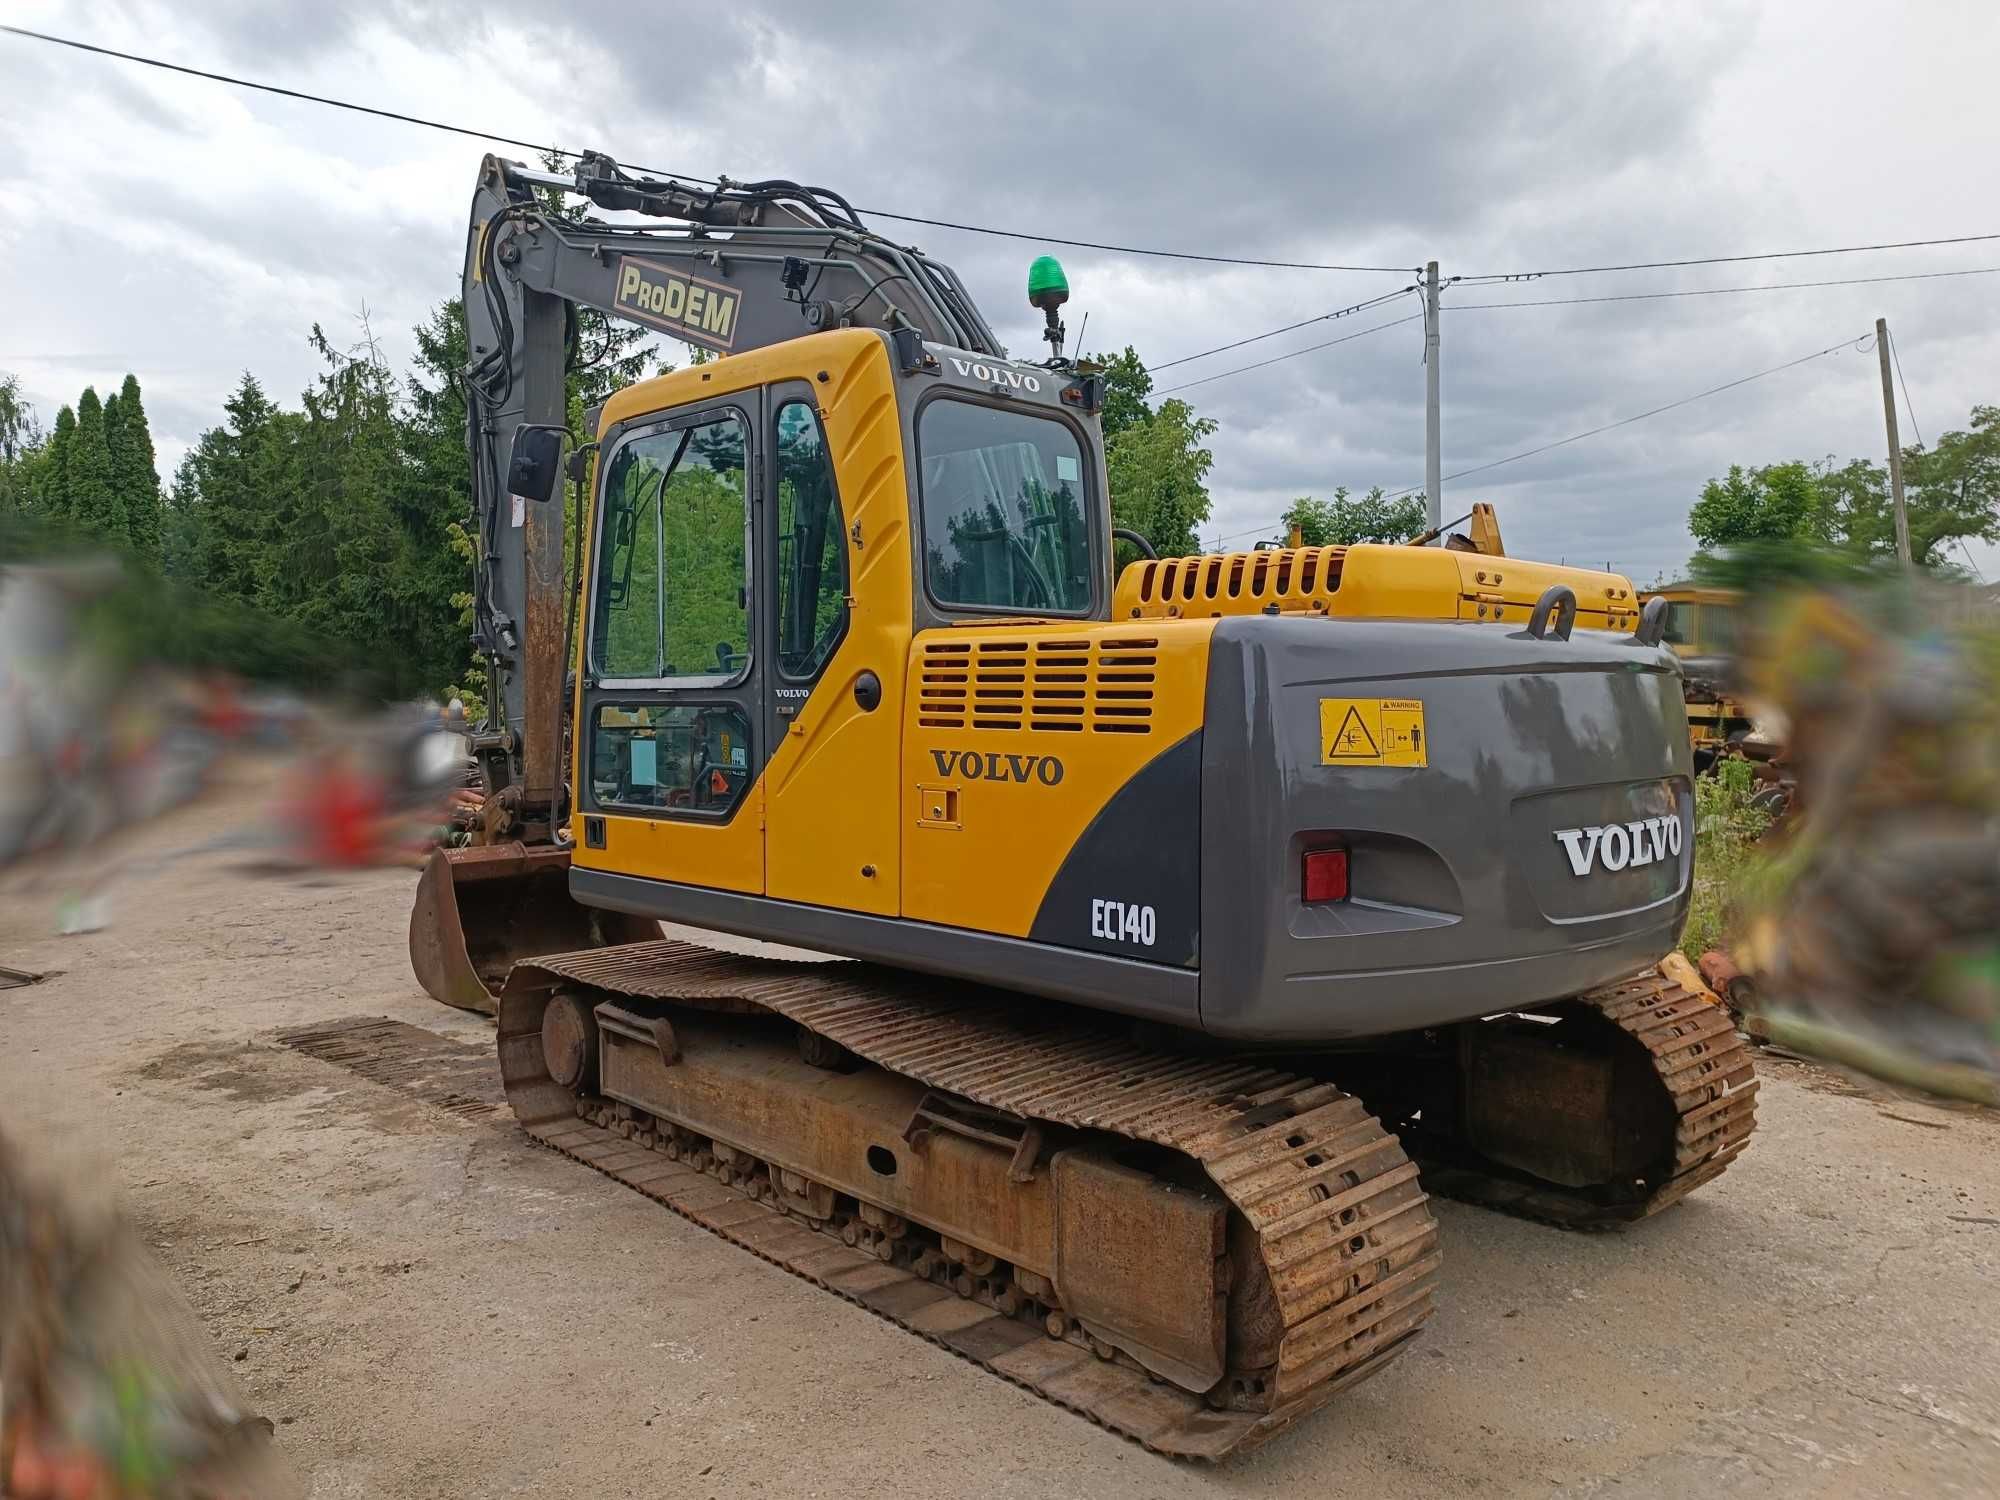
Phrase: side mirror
pixel 535 462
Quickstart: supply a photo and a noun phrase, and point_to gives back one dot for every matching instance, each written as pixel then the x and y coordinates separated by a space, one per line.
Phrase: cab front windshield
pixel 1004 525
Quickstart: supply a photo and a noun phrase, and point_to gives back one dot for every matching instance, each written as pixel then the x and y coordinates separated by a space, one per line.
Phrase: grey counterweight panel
pixel 1471 889
pixel 1131 885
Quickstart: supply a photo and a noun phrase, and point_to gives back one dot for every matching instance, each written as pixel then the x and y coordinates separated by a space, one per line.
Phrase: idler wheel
pixel 569 1042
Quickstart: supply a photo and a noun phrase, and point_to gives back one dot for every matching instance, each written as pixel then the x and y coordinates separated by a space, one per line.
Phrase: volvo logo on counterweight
pixel 685 306
pixel 1620 846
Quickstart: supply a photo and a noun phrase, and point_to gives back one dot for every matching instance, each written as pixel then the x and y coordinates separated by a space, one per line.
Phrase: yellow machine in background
pixel 1702 630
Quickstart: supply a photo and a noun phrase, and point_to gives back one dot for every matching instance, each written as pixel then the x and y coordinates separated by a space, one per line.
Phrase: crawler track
pixel 1703 1071
pixel 1328 1199
pixel 1331 1202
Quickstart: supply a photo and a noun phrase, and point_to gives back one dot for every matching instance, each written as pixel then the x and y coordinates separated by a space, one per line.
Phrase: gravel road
pixel 430 1308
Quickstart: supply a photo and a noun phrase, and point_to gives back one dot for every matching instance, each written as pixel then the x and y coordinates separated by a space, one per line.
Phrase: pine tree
pixel 114 449
pixel 434 495
pixel 336 543
pixel 52 480
pixel 138 477
pixel 181 519
pixel 92 503
pixel 223 494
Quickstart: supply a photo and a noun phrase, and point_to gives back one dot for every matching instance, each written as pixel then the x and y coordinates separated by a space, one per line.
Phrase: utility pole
pixel 1895 445
pixel 1433 436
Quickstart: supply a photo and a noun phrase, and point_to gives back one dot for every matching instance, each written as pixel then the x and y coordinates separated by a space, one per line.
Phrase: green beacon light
pixel 1047 286
pixel 1048 289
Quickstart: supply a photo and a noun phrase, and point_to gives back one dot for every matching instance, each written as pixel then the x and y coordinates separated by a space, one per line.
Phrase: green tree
pixel 225 493
pixel 1156 460
pixel 1951 495
pixel 1345 520
pixel 331 548
pixel 1158 471
pixel 136 473
pixel 17 420
pixel 1126 387
pixel 1777 503
pixel 50 482
pixel 114 449
pixel 93 504
pixel 21 446
pixel 181 521
pixel 435 490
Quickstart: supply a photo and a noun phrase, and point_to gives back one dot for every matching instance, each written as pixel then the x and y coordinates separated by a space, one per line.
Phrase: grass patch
pixel 1726 829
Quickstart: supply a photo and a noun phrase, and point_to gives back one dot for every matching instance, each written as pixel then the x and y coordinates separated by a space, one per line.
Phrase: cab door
pixel 672 718
pixel 837 617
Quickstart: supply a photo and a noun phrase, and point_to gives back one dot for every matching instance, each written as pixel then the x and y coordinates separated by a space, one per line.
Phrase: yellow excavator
pixel 1188 927
pixel 1701 629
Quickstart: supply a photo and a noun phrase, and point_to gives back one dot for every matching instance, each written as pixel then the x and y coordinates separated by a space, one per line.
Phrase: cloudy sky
pixel 190 231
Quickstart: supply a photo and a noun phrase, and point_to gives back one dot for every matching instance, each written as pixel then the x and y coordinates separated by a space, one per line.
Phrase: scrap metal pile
pixel 1873 938
pixel 108 1390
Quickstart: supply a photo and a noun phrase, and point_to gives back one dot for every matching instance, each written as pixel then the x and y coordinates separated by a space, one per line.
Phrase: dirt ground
pixel 430 1307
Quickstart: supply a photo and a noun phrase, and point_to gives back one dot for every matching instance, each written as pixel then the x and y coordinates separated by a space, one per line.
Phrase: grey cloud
pixel 1194 126
pixel 1492 137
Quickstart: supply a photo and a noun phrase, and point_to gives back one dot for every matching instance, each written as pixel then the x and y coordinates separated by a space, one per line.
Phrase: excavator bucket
pixel 479 910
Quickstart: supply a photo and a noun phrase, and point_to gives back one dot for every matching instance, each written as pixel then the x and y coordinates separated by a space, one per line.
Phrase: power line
pixel 506 140
pixel 986 229
pixel 1248 531
pixel 1593 432
pixel 1724 291
pixel 1291 354
pixel 272 88
pixel 1049 239
pixel 1896 357
pixel 1288 328
pixel 1714 390
pixel 1724 260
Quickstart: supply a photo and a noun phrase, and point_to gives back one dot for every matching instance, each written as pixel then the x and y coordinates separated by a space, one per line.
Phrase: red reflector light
pixel 1326 875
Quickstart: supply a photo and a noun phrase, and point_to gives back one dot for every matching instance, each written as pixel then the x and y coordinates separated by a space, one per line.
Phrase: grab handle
pixel 1557 599
pixel 1652 628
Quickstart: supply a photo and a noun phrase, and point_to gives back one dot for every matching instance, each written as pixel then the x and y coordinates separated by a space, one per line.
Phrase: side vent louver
pixel 1122 698
pixel 1102 686
pixel 941 695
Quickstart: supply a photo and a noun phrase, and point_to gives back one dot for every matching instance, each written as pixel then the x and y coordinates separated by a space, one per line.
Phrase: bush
pixel 1727 827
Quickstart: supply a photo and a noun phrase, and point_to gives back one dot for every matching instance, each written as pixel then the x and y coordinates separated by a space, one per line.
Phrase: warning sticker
pixel 1372 732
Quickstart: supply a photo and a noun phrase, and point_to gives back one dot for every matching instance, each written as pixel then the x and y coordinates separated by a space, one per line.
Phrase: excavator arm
pixel 745 265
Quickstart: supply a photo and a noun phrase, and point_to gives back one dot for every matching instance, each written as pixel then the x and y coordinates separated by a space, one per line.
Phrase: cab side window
pixel 812 551
pixel 673 575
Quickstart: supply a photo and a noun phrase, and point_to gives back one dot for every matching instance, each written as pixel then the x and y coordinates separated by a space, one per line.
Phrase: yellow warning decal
pixel 1372 732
